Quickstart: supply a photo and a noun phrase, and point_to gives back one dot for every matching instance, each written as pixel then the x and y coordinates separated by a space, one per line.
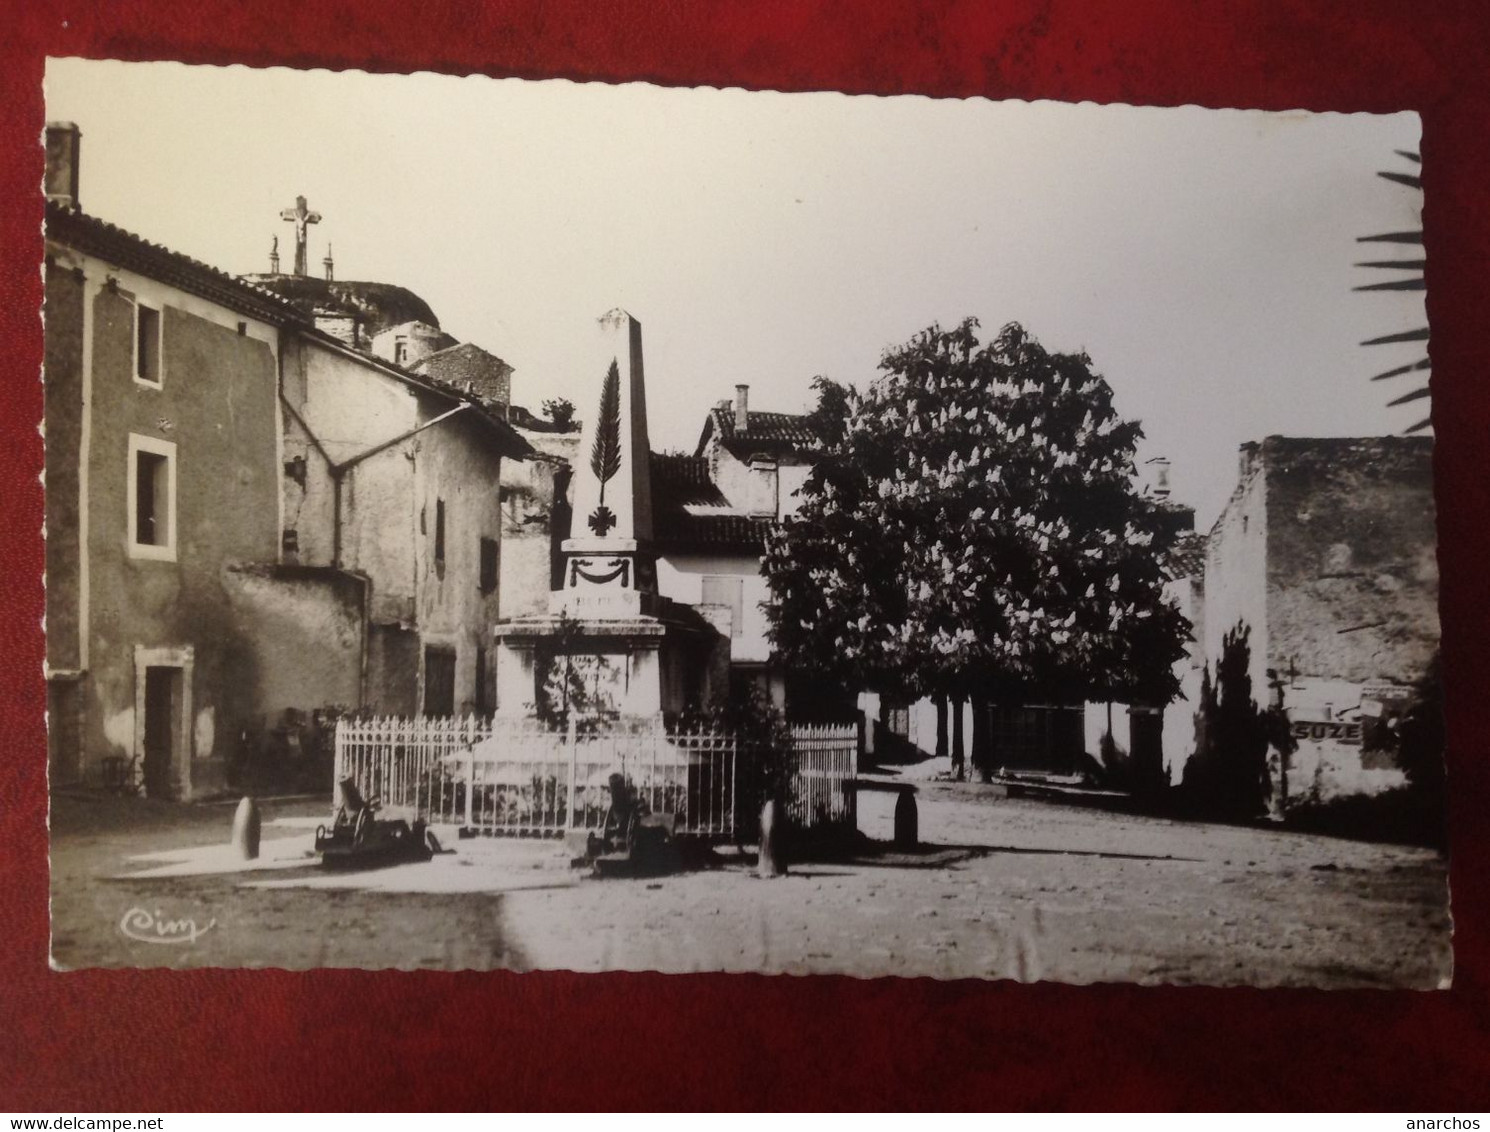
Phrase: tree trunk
pixel 982 740
pixel 958 759
pixel 941 726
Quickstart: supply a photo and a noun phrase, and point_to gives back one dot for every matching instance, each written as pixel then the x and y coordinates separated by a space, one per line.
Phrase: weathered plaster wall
pixel 764 490
pixel 1328 551
pixel 350 407
pixel 793 477
pixel 1236 572
pixel 380 537
pixel 423 339
pixel 216 404
pixel 1352 597
pixel 1352 571
pixel 1179 714
pixel 303 628
pixel 63 418
pixel 63 415
pixel 457 463
pixel 389 507
pixel 393 669
pixel 681 577
pixel 536 502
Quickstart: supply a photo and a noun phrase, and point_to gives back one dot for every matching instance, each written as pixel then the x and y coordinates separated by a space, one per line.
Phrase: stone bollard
pixel 246 829
pixel 772 862
pixel 907 821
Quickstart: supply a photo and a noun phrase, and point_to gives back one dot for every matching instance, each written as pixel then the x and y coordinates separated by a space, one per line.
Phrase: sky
pixel 1203 258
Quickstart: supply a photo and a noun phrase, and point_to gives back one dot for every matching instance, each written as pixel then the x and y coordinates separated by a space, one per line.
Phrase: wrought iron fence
pixel 523 777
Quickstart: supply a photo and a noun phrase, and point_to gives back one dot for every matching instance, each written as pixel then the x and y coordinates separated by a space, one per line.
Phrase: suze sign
pixel 1320 730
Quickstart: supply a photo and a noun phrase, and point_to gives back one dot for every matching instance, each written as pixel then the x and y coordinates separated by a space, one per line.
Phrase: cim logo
pixel 1320 730
pixel 142 925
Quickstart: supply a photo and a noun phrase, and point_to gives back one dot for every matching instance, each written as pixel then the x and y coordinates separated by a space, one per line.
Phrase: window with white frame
pixel 147 345
pixel 152 498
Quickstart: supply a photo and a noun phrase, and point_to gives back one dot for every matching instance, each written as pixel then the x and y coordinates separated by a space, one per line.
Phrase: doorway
pixel 439 681
pixel 162 729
pixel 163 713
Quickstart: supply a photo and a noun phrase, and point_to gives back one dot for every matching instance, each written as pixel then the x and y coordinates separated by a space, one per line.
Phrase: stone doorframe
pixel 184 659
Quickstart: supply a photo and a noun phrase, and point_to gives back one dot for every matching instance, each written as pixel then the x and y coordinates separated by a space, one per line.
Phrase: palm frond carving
pixel 605 456
pixel 1413 282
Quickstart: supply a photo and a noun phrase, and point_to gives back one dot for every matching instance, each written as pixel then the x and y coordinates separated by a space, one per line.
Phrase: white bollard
pixel 772 862
pixel 246 829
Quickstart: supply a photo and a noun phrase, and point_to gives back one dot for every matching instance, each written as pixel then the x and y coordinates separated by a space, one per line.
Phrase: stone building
pixel 394 442
pixel 1326 555
pixel 469 368
pixel 537 505
pixel 397 482
pixel 247 518
pixel 162 476
pixel 711 513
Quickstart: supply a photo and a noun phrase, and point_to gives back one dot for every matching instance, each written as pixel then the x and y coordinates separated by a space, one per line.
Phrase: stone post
pixel 772 862
pixel 246 826
pixel 907 821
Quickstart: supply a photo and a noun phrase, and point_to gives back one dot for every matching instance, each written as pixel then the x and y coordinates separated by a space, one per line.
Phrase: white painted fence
pixel 522 777
pixel 825 758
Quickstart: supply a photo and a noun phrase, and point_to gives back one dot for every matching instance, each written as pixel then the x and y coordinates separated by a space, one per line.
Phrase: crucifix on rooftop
pixel 301 217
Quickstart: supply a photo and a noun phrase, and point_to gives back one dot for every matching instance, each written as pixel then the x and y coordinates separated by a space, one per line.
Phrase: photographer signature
pixel 146 927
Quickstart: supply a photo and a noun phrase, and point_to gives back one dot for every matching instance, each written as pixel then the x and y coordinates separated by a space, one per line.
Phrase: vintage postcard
pixel 538 525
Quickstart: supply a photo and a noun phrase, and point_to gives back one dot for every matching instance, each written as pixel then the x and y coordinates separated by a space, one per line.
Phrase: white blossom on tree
pixel 972 527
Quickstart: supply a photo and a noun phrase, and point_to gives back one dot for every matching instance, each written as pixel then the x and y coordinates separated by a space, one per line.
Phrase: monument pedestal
pixel 614 664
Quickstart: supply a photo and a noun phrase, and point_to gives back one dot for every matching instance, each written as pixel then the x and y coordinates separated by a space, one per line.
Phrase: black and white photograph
pixel 500 524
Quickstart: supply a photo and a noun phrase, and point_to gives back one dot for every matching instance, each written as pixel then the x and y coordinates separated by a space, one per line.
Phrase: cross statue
pixel 300 216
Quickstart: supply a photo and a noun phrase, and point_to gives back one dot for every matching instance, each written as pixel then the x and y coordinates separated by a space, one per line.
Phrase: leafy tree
pixel 1228 777
pixel 560 410
pixel 975 531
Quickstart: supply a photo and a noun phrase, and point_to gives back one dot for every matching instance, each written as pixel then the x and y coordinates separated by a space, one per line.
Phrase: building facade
pixel 162 467
pixel 396 482
pixel 712 512
pixel 250 520
pixel 1325 557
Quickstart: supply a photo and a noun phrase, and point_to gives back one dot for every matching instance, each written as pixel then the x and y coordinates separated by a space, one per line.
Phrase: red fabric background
pixel 210 1039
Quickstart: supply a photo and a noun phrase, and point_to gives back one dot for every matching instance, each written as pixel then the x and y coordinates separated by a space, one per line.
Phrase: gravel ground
pixel 1004 888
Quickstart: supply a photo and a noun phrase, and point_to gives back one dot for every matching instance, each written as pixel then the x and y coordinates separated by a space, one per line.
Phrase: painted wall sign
pixel 1319 730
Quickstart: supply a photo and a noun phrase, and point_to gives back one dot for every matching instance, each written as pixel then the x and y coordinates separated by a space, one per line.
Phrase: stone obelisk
pixel 607 609
pixel 608 568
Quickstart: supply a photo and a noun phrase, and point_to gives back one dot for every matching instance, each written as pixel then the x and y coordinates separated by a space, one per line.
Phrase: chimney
pixel 327 264
pixel 1247 454
pixel 64 144
pixel 1159 477
pixel 742 408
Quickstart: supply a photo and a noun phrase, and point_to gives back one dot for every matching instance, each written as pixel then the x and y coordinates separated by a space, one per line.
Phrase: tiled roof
pixel 75 228
pixel 1187 559
pixel 682 482
pixel 464 351
pixel 763 431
